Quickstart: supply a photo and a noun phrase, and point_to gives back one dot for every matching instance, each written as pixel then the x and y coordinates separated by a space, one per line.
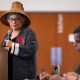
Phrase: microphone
pixel 7 38
pixel 9 35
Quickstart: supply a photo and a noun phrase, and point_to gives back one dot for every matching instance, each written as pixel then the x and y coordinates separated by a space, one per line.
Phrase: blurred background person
pixel 76 33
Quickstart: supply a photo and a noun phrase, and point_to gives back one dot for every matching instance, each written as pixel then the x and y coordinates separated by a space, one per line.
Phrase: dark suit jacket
pixel 78 69
pixel 23 65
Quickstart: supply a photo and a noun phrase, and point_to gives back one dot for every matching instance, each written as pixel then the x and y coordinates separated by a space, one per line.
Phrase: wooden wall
pixel 45 26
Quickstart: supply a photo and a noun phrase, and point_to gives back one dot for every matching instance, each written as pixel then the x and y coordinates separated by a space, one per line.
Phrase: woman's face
pixel 15 22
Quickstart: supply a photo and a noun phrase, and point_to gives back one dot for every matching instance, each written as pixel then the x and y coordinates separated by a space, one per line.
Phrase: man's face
pixel 77 41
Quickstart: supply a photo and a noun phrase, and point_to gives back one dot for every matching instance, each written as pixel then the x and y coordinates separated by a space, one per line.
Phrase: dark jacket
pixel 23 65
pixel 78 69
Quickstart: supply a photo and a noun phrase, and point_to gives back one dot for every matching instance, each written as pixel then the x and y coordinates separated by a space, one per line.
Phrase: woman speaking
pixel 22 44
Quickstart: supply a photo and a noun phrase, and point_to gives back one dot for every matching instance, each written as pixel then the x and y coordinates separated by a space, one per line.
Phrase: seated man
pixel 76 33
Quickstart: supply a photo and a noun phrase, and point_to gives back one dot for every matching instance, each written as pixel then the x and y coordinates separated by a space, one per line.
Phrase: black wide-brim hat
pixel 17 7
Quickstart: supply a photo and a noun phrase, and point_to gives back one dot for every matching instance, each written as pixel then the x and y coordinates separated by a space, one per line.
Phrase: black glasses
pixel 12 19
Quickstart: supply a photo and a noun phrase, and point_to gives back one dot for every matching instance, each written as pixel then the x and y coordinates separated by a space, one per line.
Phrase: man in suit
pixel 76 33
